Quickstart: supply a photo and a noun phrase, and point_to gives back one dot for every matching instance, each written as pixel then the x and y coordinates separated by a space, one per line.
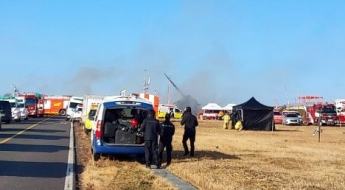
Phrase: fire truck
pixel 34 103
pixel 323 113
pixel 55 105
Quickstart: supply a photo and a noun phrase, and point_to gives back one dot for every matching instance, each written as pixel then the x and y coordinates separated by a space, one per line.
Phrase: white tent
pixel 229 107
pixel 212 106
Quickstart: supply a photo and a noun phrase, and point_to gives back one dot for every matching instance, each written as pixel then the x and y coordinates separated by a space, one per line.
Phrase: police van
pixel 116 126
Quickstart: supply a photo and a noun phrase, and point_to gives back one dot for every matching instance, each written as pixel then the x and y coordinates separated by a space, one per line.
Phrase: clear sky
pixel 218 51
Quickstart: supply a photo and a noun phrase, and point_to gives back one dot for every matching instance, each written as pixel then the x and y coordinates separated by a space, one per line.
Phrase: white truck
pixel 88 102
pixel 75 102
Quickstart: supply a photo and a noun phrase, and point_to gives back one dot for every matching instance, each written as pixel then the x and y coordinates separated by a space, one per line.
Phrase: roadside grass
pixel 112 173
pixel 289 158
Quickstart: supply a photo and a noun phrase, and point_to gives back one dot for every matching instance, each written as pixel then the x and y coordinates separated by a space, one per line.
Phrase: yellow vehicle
pixel 89 120
pixel 169 109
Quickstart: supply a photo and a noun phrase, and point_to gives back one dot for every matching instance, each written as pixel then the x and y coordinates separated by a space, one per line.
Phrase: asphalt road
pixel 36 158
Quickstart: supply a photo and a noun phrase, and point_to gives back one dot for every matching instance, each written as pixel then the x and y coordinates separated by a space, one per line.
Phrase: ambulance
pixel 171 109
pixel 90 105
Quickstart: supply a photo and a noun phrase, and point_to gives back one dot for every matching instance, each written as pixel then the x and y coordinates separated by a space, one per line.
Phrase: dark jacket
pixel 151 128
pixel 167 131
pixel 190 122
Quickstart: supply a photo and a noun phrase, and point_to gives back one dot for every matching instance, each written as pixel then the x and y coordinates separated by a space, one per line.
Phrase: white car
pixel 24 114
pixel 15 112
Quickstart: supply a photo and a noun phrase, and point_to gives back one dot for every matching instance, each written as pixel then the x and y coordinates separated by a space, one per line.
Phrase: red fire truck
pixel 324 113
pixel 34 103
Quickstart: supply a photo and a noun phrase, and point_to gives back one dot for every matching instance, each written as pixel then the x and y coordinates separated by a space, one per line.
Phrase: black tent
pixel 255 116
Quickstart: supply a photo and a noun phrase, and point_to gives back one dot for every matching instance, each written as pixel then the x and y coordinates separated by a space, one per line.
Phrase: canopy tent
pixel 212 106
pixel 229 107
pixel 255 116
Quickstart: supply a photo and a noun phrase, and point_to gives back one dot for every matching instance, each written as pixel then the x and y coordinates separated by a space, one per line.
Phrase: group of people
pixel 236 122
pixel 164 131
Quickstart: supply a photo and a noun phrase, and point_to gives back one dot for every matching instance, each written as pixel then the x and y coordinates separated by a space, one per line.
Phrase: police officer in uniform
pixel 151 129
pixel 165 139
pixel 190 122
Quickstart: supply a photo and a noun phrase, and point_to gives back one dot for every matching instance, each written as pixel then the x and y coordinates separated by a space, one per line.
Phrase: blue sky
pixel 216 51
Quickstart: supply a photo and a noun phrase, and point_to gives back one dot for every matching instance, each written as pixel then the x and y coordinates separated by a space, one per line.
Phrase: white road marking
pixel 70 177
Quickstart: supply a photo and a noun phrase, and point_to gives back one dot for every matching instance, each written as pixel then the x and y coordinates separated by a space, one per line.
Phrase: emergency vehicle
pixel 73 103
pixel 116 127
pixel 323 113
pixel 34 103
pixel 90 105
pixel 171 109
pixel 55 105
pixel 340 108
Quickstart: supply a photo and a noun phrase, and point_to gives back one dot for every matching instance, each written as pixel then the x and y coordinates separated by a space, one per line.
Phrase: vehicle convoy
pixel 5 111
pixel 16 113
pixel 90 105
pixel 73 103
pixel 171 109
pixel 34 103
pixel 116 126
pixel 55 105
pixel 323 113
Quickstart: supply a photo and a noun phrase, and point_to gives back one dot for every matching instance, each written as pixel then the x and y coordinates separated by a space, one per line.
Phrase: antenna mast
pixel 147 82
pixel 15 90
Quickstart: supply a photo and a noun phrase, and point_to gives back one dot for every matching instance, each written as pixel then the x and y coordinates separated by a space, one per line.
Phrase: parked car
pixel 5 111
pixel 278 117
pixel 24 114
pixel 291 119
pixel 116 126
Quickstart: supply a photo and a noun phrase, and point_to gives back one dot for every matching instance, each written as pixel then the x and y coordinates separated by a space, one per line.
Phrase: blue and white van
pixel 116 126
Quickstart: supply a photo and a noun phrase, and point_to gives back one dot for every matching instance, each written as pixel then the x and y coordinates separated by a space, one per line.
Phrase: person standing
pixel 151 129
pixel 226 120
pixel 165 139
pixel 190 122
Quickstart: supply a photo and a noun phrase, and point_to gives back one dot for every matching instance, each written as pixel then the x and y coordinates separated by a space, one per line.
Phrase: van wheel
pixel 95 156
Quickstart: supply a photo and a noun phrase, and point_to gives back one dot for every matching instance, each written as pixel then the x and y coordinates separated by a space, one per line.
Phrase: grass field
pixel 289 158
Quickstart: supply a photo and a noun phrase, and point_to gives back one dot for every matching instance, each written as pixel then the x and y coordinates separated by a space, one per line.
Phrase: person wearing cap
pixel 190 122
pixel 151 129
pixel 165 139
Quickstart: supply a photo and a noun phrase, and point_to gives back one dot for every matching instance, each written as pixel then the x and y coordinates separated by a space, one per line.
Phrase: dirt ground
pixel 288 158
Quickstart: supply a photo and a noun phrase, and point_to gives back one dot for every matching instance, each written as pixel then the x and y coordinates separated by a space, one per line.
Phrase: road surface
pixel 34 153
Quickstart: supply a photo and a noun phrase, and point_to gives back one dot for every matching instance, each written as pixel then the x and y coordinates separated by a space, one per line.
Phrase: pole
pixel 319 127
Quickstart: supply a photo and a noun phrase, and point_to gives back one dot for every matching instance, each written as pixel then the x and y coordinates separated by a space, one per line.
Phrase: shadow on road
pixel 38 137
pixel 33 169
pixel 7 129
pixel 32 148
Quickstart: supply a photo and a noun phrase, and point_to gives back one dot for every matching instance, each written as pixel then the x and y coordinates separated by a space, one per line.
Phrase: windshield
pixel 328 110
pixel 73 105
pixel 291 115
pixel 92 114
pixel 30 102
pixel 276 113
pixel 13 104
pixel 21 106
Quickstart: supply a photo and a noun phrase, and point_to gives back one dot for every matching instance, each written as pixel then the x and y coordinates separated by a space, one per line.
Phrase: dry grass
pixel 110 173
pixel 289 158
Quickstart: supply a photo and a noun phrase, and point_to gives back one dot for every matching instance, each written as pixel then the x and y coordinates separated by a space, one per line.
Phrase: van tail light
pixel 98 129
pixel 134 122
